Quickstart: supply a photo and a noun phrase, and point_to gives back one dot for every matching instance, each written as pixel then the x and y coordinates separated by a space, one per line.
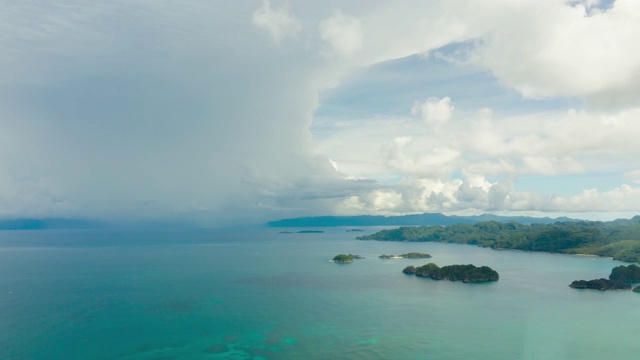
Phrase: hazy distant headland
pixel 619 239
pixel 404 220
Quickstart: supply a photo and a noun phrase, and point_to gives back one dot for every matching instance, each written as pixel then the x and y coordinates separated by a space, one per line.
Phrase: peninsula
pixel 619 239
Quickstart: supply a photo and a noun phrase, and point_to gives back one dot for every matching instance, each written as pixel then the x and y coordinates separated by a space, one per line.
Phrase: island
pixel 465 273
pixel 412 255
pixel 310 232
pixel 343 259
pixel 355 230
pixel 600 284
pixel 621 278
pixel 619 239
pixel 629 274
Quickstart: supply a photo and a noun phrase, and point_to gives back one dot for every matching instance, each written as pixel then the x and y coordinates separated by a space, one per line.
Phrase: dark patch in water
pixel 253 352
pixel 231 338
pixel 216 349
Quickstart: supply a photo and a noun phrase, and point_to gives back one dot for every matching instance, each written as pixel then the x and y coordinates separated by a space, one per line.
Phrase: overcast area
pixel 227 112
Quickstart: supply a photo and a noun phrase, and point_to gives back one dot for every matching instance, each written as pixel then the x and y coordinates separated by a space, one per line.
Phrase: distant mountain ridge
pixel 408 220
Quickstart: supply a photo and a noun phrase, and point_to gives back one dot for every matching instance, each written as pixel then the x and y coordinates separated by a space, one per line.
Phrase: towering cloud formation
pixel 201 111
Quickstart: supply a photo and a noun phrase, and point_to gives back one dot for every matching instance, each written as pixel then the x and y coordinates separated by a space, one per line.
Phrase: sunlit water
pixel 258 294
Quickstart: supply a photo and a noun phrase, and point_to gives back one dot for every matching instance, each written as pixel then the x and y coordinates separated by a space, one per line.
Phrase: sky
pixel 229 112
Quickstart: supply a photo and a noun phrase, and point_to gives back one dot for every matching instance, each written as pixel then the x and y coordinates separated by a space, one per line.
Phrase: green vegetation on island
pixel 600 284
pixel 412 255
pixel 619 239
pixel 310 232
pixel 343 259
pixel 464 273
pixel 621 278
pixel 629 274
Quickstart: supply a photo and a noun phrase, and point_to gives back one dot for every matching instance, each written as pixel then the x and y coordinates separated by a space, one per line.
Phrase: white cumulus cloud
pixel 343 33
pixel 434 110
pixel 279 22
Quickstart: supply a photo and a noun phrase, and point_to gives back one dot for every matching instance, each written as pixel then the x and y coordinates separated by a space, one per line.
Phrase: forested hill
pixel 619 239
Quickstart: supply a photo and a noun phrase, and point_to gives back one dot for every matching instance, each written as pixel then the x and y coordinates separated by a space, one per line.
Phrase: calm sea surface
pixel 258 294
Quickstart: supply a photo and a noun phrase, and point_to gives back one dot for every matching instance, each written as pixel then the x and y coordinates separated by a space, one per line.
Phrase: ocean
pixel 260 294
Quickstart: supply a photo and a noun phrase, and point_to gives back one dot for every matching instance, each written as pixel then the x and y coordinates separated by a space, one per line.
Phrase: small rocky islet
pixel 465 273
pixel 346 258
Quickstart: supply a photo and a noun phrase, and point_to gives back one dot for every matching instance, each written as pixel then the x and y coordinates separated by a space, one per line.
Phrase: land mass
pixel 600 284
pixel 465 273
pixel 343 259
pixel 406 220
pixel 621 278
pixel 619 239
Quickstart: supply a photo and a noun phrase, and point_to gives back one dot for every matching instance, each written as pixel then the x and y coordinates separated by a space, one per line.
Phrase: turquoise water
pixel 258 294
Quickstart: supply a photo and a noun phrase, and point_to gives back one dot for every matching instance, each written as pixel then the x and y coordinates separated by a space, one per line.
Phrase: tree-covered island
pixel 343 259
pixel 464 273
pixel 411 255
pixel 621 278
pixel 619 239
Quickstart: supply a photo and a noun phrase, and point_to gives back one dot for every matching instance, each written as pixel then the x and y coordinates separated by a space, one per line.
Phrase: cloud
pixel 548 48
pixel 449 170
pixel 463 196
pixel 343 33
pixel 142 109
pixel 174 117
pixel 438 161
pixel 633 175
pixel 279 22
pixel 434 110
pixel 622 198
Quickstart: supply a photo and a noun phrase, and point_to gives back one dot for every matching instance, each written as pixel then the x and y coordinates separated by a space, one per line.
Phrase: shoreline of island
pixel 618 239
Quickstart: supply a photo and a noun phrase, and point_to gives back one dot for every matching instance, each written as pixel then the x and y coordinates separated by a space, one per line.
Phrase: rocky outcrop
pixel 600 284
pixel 621 278
pixel 409 270
pixel 628 274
